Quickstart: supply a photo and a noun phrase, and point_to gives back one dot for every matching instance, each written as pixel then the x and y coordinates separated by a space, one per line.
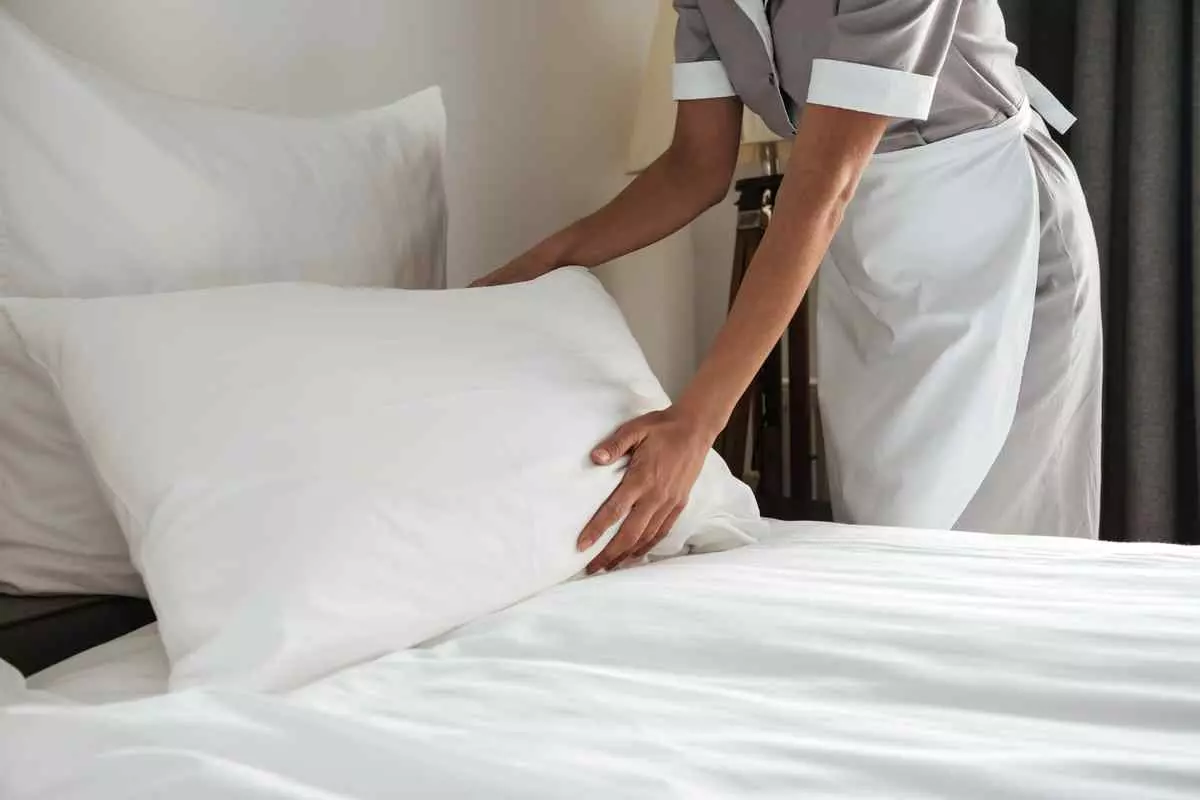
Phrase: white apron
pixel 925 305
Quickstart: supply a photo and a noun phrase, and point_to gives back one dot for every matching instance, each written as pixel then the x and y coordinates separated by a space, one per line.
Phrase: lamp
pixel 761 143
pixel 655 121
pixel 771 440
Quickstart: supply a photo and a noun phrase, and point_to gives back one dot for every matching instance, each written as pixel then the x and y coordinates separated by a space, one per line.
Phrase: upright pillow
pixel 106 189
pixel 310 476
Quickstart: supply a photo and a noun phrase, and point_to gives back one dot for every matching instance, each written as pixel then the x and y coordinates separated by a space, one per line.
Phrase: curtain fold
pixel 1128 68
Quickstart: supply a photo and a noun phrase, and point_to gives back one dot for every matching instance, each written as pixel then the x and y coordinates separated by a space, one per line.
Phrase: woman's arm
pixel 832 148
pixel 667 449
pixel 691 176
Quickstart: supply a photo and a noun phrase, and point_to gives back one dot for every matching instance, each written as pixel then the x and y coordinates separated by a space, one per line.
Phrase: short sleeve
pixel 699 73
pixel 884 56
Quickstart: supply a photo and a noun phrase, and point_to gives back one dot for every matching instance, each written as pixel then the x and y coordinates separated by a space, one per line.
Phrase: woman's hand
pixel 546 257
pixel 517 271
pixel 666 451
pixel 692 175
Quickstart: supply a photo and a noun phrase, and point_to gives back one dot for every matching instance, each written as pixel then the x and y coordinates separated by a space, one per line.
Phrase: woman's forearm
pixel 832 148
pixel 659 202
pixel 692 175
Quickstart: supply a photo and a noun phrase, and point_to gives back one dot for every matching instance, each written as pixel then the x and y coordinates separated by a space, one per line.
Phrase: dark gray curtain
pixel 1128 69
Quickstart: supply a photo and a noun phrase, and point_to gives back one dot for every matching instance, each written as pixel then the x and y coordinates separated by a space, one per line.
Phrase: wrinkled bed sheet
pixel 824 662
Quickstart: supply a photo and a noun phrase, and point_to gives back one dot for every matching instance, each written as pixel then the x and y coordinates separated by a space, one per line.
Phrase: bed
pixel 354 509
pixel 823 662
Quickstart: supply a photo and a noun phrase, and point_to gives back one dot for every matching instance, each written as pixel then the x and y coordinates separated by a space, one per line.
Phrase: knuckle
pixel 621 502
pixel 622 507
pixel 645 482
pixel 638 427
pixel 625 432
pixel 636 484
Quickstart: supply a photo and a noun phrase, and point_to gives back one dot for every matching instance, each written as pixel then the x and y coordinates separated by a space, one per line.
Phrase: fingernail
pixel 601 456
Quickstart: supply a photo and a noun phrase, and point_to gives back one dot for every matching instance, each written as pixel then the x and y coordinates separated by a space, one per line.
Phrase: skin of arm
pixel 666 449
pixel 691 176
pixel 832 148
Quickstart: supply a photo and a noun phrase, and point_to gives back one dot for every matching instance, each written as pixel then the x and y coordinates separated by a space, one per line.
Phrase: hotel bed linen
pixel 824 662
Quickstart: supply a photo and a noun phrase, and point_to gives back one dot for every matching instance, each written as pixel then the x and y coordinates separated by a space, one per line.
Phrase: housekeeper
pixel 958 309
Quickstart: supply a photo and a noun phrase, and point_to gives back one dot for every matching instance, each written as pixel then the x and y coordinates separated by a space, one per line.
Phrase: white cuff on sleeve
pixel 702 80
pixel 873 90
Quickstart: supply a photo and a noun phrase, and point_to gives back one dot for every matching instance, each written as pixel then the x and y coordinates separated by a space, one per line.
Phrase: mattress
pixel 824 662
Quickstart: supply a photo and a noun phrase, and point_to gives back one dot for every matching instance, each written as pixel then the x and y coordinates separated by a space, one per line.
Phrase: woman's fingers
pixel 613 510
pixel 493 278
pixel 666 455
pixel 519 271
pixel 626 495
pixel 498 277
pixel 646 540
pixel 663 530
pixel 626 539
pixel 622 440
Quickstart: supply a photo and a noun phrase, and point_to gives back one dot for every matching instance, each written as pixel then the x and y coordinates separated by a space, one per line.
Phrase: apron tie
pixel 1057 115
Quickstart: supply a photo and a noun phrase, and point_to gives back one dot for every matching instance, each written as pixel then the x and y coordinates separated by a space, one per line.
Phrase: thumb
pixel 618 445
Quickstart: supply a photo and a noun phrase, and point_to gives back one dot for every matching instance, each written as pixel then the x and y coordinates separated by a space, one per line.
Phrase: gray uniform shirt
pixel 937 67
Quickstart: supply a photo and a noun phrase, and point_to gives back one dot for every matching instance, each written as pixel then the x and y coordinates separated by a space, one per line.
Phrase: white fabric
pixel 127 668
pixel 1057 115
pixel 925 306
pixel 310 476
pixel 827 663
pixel 1047 476
pixel 701 80
pixel 106 189
pixel 871 89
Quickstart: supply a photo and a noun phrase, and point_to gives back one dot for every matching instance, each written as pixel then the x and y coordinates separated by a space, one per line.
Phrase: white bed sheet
pixel 826 662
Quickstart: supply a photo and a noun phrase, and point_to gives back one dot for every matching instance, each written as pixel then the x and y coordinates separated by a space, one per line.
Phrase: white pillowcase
pixel 310 476
pixel 106 189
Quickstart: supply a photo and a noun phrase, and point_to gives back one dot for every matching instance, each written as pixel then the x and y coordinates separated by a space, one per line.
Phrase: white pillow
pixel 310 476
pixel 106 189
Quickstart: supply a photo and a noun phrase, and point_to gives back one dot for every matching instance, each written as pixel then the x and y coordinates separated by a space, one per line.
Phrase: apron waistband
pixel 1051 109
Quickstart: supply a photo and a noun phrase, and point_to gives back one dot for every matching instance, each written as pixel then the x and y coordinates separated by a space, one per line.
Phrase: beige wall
pixel 540 95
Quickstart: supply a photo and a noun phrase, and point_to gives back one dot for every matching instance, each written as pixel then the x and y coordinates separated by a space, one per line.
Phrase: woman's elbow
pixel 713 195
pixel 713 182
pixel 704 178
